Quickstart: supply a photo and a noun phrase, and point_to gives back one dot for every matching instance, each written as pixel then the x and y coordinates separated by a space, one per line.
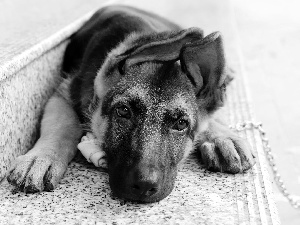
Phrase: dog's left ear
pixel 162 47
pixel 204 63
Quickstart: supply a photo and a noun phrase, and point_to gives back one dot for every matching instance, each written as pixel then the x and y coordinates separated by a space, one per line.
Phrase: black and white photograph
pixel 149 112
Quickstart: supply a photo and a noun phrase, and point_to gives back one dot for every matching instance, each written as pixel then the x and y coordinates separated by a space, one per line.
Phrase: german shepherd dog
pixel 148 90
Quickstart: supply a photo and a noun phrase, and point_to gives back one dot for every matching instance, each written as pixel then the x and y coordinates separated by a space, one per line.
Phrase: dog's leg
pixel 44 165
pixel 220 149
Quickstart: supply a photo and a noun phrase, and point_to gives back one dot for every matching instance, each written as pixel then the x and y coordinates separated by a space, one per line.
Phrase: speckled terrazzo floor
pixel 199 197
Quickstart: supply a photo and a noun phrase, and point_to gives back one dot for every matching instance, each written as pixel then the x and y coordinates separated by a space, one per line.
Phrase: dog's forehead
pixel 133 92
pixel 178 101
pixel 152 89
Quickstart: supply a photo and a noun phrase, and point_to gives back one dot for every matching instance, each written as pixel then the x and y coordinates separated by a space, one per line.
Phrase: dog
pixel 149 91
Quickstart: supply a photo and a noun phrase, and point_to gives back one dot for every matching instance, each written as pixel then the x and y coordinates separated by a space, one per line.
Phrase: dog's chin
pixel 142 199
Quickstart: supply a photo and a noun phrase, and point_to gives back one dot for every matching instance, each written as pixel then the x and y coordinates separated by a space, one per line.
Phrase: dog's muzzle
pixel 142 183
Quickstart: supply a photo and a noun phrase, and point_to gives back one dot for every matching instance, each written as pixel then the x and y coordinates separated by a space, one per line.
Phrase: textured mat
pixel 199 197
pixel 84 197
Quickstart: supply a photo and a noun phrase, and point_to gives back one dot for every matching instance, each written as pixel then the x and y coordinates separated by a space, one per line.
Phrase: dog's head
pixel 154 94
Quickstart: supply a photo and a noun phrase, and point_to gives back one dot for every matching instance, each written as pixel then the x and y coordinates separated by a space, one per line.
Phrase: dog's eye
pixel 123 111
pixel 181 124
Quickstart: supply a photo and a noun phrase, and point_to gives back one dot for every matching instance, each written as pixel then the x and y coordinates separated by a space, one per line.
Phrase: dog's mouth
pixel 142 185
pixel 142 198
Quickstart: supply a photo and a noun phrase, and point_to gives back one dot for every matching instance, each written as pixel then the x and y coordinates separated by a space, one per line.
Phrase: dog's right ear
pixel 204 63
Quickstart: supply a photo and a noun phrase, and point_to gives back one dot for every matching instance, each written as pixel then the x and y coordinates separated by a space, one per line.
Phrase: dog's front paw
pixel 226 154
pixel 36 172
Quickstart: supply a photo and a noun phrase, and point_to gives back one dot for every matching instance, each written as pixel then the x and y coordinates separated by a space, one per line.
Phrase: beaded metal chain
pixel 269 155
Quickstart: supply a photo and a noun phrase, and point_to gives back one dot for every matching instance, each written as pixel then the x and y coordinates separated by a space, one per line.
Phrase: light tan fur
pixel 60 132
pixel 99 127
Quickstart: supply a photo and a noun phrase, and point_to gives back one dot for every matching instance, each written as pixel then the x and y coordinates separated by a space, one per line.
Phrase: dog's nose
pixel 143 182
pixel 144 188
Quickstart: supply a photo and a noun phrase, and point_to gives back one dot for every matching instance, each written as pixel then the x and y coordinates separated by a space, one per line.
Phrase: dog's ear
pixel 204 63
pixel 139 48
pixel 163 47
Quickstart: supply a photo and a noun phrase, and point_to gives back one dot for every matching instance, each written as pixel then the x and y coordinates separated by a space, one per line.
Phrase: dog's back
pixel 108 27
